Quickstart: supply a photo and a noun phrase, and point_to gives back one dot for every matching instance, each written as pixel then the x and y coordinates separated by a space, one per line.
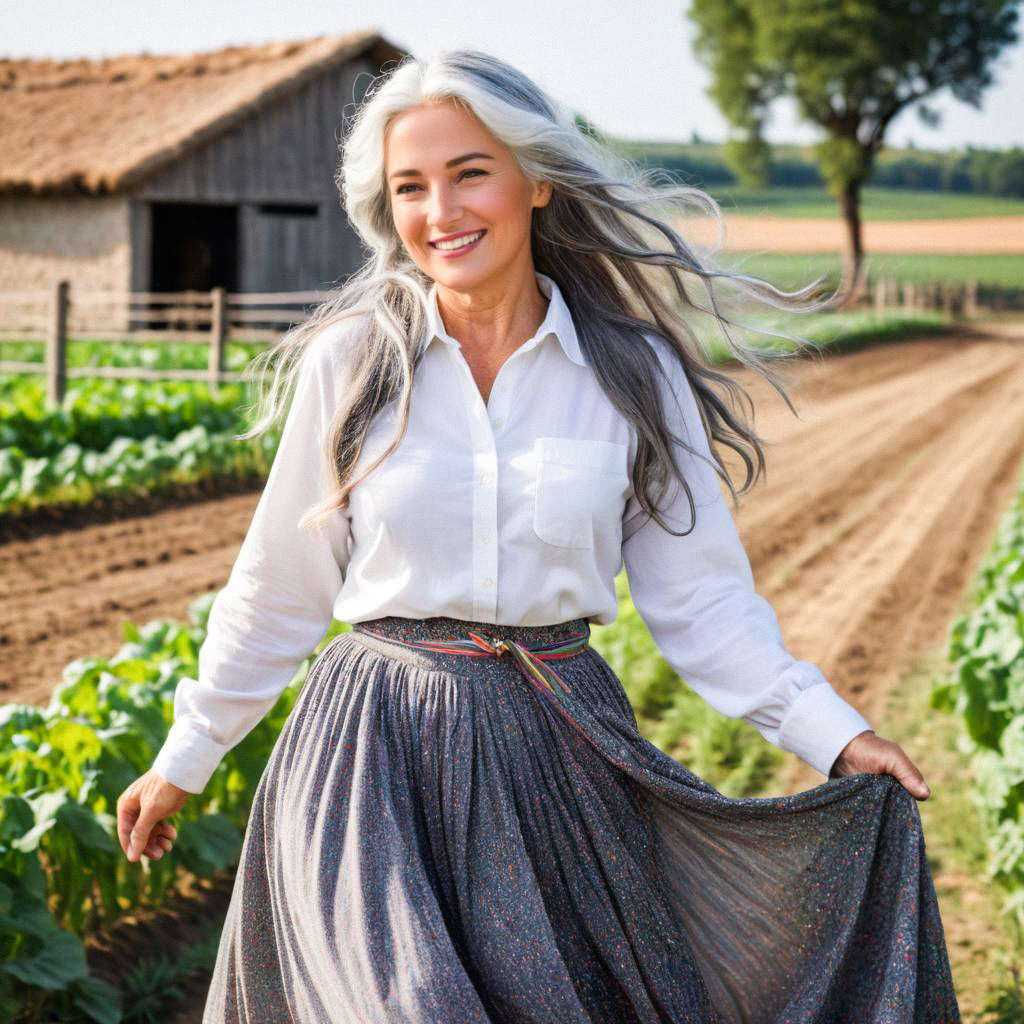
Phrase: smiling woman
pixel 460 822
pixel 466 223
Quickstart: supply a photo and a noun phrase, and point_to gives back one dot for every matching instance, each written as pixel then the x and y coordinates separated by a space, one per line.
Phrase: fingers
pixel 142 826
pixel 912 779
pixel 160 844
pixel 127 814
pixel 152 840
pixel 868 752
pixel 125 824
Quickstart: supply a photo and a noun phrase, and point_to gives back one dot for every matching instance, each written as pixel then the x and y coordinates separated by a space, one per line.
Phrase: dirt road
pixel 879 503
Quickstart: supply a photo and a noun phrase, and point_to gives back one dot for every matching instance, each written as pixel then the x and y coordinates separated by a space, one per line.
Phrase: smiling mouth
pixel 462 242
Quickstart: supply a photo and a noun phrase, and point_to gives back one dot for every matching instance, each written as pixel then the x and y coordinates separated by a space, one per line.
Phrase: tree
pixel 851 66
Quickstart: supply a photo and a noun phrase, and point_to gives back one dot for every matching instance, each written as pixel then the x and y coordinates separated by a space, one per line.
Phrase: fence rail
pixel 190 317
pixel 210 317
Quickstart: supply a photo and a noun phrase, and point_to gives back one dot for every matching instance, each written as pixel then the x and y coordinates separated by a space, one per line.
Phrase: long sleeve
pixel 696 595
pixel 276 605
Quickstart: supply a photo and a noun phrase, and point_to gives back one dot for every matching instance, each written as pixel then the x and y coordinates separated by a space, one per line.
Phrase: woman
pixel 459 821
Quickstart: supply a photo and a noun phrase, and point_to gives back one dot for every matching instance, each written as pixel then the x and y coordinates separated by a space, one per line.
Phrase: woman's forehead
pixel 436 126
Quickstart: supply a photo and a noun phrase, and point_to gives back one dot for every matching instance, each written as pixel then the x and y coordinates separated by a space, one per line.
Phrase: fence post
pixel 56 367
pixel 971 299
pixel 218 335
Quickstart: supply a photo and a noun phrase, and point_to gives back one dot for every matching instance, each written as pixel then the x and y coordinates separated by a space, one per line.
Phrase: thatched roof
pixel 101 125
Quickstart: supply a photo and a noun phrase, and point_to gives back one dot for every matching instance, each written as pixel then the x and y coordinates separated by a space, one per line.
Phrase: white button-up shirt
pixel 509 512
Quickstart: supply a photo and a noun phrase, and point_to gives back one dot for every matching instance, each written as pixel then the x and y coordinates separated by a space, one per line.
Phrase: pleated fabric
pixel 442 839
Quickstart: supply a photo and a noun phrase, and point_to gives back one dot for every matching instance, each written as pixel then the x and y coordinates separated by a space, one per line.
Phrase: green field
pixel 793 269
pixel 877 204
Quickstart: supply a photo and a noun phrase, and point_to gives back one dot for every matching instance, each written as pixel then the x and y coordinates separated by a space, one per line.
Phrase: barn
pixel 169 173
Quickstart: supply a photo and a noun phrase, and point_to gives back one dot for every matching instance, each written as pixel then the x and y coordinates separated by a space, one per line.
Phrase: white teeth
pixel 458 243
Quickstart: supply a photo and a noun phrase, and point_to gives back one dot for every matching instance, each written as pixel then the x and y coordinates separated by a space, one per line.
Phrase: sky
pixel 626 65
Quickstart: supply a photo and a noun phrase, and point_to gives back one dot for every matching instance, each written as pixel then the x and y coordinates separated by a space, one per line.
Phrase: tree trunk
pixel 851 286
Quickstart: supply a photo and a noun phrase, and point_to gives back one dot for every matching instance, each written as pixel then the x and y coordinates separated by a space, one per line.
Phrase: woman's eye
pixel 468 170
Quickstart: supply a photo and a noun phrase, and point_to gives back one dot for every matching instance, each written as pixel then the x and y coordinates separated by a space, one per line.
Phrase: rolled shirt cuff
pixel 188 758
pixel 818 726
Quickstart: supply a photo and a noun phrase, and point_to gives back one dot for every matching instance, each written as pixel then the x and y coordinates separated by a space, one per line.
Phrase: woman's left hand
pixel 868 752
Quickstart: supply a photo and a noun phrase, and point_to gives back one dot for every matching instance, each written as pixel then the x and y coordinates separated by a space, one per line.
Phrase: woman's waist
pixel 441 629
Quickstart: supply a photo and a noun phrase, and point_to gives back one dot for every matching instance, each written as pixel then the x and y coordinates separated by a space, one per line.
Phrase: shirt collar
pixel 558 321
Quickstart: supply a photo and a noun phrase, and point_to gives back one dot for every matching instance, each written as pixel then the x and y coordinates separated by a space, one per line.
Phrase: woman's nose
pixel 443 209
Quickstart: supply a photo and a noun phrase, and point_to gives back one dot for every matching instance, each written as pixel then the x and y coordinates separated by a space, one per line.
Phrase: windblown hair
pixel 622 270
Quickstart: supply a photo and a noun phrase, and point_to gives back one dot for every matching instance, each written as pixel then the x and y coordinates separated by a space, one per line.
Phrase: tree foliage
pixel 851 66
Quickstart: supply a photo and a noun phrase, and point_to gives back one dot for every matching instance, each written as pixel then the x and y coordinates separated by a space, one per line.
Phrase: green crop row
pixel 121 438
pixel 987 688
pixel 155 355
pixel 129 466
pixel 95 413
pixel 63 873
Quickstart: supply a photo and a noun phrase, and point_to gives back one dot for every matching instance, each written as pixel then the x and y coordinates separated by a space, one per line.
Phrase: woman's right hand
pixel 142 812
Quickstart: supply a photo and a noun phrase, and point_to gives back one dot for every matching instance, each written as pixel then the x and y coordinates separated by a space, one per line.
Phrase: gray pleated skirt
pixel 444 839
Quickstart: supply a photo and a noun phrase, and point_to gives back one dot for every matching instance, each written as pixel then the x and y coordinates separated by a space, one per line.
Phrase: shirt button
pixel 485 537
pixel 488 477
pixel 499 423
pixel 488 581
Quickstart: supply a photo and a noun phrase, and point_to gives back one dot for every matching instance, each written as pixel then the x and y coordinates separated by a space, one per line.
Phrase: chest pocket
pixel 580 489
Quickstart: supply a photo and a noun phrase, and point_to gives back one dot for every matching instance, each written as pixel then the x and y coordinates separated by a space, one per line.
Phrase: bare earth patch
pixel 745 233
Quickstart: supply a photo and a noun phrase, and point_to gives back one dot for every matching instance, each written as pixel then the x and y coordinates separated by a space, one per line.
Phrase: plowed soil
pixel 879 503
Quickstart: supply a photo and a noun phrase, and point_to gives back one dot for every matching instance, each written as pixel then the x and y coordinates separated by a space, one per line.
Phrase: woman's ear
pixel 542 191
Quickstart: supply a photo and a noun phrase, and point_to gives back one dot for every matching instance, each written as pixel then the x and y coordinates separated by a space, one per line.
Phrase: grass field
pixel 876 203
pixel 793 269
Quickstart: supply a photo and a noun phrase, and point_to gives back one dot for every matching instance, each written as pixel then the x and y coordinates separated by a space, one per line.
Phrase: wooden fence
pixel 210 318
pixel 200 318
pixel 956 298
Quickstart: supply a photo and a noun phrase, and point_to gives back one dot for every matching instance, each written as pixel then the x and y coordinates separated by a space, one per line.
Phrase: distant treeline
pixel 971 171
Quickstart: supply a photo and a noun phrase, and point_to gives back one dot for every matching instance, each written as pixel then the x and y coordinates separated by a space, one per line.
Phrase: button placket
pixel 485 503
pixel 498 400
pixel 485 527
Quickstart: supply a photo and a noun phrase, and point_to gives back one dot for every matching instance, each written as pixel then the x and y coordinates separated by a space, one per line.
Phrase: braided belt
pixel 530 658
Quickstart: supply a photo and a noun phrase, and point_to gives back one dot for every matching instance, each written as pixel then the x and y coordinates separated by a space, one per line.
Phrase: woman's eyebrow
pixel 451 163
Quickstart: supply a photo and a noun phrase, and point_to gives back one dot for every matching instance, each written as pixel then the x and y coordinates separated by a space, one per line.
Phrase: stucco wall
pixel 84 239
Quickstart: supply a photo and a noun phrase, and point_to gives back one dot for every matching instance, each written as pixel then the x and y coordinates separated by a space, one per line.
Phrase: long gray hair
pixel 622 270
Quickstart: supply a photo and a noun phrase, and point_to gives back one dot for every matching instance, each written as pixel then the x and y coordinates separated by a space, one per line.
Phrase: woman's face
pixel 446 175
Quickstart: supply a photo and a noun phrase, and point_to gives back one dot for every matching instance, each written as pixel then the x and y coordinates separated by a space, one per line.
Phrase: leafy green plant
pixel 154 983
pixel 129 466
pixel 62 871
pixel 122 437
pixel 987 690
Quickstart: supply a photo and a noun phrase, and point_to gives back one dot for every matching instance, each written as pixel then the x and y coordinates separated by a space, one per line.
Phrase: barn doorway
pixel 195 247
